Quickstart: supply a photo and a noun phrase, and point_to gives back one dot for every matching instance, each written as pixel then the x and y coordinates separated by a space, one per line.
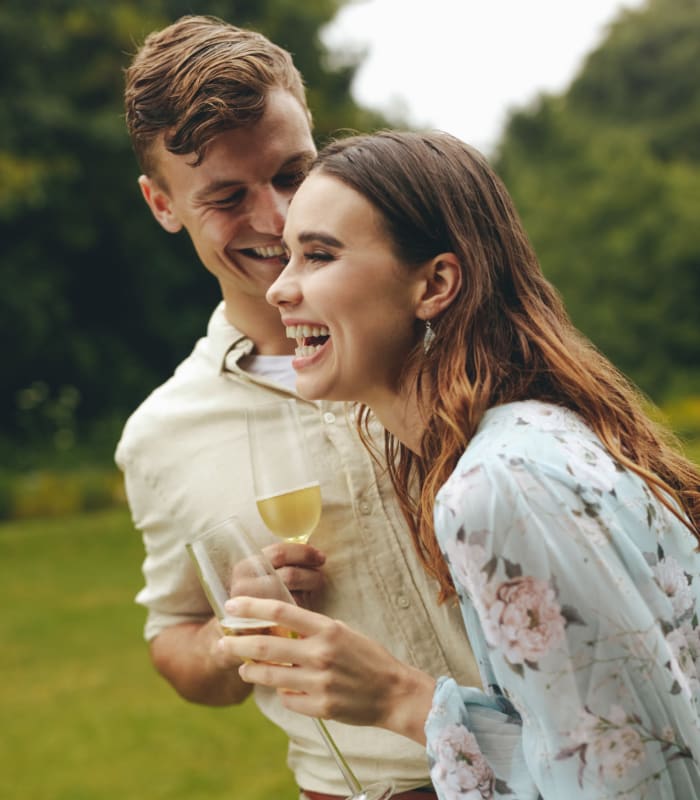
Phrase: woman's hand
pixel 329 670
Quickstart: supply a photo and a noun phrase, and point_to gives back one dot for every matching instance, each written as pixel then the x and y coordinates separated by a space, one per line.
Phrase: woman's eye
pixel 318 255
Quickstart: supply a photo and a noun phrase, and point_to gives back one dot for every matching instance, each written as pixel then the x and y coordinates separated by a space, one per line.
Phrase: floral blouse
pixel 580 594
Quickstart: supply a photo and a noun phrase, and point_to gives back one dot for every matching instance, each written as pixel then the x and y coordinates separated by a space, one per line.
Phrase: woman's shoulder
pixel 529 448
pixel 536 432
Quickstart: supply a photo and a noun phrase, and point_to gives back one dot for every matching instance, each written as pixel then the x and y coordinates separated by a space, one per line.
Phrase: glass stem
pixel 353 784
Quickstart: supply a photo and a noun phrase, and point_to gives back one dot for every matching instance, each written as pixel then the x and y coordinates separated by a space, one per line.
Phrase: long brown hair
pixel 506 336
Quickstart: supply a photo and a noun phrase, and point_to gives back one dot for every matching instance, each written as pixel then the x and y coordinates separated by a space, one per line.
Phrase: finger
pixel 299 579
pixel 290 616
pixel 282 554
pixel 302 703
pixel 287 679
pixel 273 649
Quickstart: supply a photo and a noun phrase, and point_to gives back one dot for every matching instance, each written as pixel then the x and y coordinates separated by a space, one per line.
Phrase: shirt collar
pixel 228 344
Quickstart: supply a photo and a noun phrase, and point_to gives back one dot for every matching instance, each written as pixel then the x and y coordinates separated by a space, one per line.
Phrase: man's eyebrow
pixel 303 159
pixel 214 187
pixel 300 161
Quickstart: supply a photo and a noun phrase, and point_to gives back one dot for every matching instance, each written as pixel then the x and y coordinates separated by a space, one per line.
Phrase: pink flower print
pixel 611 742
pixel 460 771
pixel 523 619
pixel 684 643
pixel 673 582
pixel 466 561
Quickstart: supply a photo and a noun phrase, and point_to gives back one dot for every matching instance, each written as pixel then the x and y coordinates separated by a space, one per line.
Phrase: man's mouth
pixel 310 338
pixel 272 251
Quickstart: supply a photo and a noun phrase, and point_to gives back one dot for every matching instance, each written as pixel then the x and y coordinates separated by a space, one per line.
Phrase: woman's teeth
pixel 305 336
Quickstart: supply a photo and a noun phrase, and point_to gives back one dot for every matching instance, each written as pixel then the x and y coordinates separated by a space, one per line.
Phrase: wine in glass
pixel 287 491
pixel 229 563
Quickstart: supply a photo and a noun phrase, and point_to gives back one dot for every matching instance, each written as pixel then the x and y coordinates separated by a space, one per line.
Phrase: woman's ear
pixel 441 284
pixel 160 204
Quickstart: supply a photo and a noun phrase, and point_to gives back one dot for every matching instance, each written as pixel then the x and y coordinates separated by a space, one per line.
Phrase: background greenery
pixel 85 717
pixel 101 304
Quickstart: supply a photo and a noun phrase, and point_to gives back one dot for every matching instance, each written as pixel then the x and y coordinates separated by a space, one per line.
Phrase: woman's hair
pixel 200 77
pixel 505 337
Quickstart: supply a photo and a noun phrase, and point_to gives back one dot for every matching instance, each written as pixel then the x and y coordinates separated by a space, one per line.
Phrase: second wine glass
pixel 285 482
pixel 229 563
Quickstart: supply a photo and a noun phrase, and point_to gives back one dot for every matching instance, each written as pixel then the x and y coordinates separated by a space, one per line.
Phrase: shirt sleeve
pixel 583 701
pixel 171 593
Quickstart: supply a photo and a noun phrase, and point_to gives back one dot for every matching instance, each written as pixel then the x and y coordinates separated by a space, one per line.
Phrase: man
pixel 220 127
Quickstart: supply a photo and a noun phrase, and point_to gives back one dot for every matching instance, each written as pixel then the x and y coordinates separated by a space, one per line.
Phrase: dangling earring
pixel 428 337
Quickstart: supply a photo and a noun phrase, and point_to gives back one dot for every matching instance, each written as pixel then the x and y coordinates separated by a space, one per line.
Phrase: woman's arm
pixel 337 673
pixel 569 619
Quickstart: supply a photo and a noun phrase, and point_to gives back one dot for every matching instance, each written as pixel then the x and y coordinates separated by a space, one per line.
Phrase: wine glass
pixel 287 491
pixel 229 563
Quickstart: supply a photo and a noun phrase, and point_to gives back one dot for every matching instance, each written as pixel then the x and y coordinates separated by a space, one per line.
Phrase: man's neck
pixel 262 325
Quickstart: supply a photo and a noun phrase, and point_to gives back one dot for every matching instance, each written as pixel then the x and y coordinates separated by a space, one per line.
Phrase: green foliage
pixel 98 298
pixel 607 180
pixel 53 493
pixel 85 715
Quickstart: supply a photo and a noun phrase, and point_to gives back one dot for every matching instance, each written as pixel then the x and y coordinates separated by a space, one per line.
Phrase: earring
pixel 428 337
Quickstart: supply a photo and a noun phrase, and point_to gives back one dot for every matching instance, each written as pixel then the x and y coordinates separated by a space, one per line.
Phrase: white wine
pixel 292 515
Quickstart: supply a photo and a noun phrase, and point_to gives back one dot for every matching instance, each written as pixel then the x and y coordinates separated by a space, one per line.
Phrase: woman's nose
pixel 285 290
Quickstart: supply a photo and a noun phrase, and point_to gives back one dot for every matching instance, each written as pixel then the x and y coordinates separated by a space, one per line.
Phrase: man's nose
pixel 269 210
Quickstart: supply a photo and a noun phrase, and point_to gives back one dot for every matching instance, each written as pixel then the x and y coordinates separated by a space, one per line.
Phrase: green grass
pixel 84 715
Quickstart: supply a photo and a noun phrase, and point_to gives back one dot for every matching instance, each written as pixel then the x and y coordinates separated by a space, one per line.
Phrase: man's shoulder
pixel 159 413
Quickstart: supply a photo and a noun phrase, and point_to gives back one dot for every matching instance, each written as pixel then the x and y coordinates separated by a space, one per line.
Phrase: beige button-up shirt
pixel 184 454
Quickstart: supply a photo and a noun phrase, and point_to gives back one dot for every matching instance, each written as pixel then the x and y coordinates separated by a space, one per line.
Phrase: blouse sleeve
pixel 583 701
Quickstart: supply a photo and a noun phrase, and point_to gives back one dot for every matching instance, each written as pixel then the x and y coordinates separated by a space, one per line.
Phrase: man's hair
pixel 200 77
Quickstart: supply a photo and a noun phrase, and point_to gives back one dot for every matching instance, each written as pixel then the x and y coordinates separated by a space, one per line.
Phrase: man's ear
pixel 160 204
pixel 441 284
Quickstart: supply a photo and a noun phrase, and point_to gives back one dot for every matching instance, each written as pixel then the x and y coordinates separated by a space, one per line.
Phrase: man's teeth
pixel 303 332
pixel 268 252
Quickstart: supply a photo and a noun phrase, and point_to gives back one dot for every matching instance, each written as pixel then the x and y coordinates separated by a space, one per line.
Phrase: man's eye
pixel 290 179
pixel 229 201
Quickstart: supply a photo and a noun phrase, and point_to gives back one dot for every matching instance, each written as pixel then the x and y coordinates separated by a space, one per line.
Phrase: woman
pixel 550 507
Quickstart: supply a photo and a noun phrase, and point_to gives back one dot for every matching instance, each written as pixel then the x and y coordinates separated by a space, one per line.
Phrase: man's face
pixel 233 205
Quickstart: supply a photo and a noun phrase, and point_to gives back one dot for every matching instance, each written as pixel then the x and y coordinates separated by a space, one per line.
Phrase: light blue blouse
pixel 580 594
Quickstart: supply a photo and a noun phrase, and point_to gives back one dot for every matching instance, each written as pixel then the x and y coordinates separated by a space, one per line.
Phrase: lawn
pixel 84 715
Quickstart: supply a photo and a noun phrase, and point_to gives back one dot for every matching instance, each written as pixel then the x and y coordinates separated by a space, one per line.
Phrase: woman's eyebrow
pixel 318 236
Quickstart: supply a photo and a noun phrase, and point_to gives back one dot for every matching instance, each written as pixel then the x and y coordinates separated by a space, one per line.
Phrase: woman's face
pixel 344 295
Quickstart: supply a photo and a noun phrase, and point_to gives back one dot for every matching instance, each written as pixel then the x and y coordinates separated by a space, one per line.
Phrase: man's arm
pixel 187 656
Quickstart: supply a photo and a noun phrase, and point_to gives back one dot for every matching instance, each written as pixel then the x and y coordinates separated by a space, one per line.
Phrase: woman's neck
pixel 400 413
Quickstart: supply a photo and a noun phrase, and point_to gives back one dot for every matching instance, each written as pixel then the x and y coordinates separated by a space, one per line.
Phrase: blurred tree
pixel 607 180
pixel 98 300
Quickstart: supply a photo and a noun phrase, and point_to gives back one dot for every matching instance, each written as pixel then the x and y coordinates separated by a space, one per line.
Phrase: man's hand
pixel 299 566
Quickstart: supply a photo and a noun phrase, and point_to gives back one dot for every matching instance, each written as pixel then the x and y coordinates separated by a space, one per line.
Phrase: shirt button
pixel 402 601
pixel 329 417
pixel 365 507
